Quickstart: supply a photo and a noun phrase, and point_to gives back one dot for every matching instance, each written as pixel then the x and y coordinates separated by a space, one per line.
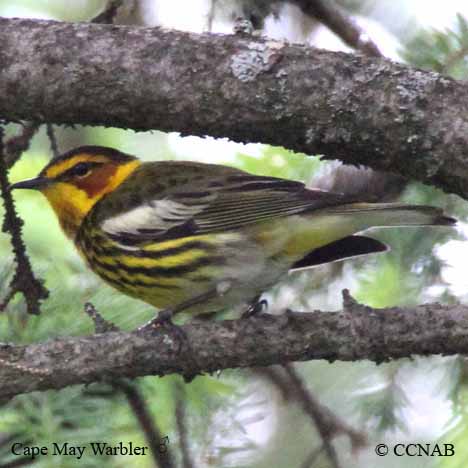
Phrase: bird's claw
pixel 255 308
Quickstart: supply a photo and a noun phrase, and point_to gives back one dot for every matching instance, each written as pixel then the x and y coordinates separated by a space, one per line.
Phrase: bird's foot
pixel 164 321
pixel 255 308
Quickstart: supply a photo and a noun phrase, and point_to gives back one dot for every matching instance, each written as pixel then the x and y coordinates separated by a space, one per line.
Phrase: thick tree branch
pixel 358 109
pixel 358 332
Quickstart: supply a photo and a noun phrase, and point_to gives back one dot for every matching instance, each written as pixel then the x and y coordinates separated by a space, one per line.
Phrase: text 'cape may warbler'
pixel 203 237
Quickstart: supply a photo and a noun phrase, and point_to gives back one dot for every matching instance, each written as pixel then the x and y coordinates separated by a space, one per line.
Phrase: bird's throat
pixel 72 202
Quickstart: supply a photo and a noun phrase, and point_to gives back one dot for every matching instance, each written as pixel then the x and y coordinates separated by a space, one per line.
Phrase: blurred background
pixel 245 418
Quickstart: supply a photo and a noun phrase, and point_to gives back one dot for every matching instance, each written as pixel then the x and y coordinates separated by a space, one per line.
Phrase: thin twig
pixel 23 461
pixel 101 391
pixel 279 379
pixel 159 445
pixel 23 280
pixel 313 408
pixel 181 427
pixel 52 139
pixel 17 144
pixel 333 18
pixel 108 15
pixel 290 389
pixel 327 423
pixel 101 325
pixel 312 458
pixel 8 297
pixel 6 440
pixel 211 14
pixel 291 386
pixel 333 425
pixel 453 59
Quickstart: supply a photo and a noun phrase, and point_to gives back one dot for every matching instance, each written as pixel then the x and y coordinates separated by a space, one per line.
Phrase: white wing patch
pixel 158 215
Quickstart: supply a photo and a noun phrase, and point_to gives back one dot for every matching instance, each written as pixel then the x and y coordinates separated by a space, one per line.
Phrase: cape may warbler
pixel 202 237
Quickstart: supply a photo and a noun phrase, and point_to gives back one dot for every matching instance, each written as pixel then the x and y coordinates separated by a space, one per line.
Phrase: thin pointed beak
pixel 38 183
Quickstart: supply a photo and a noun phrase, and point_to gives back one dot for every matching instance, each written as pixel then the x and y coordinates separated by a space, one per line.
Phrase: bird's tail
pixel 395 214
pixel 322 227
pixel 330 235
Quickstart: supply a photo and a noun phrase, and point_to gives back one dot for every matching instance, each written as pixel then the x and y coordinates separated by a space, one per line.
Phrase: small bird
pixel 203 237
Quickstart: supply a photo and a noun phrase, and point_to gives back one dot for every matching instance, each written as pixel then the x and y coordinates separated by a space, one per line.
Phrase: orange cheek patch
pixel 98 181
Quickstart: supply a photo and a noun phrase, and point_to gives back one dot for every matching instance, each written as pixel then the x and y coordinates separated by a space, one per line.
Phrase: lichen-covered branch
pixel 358 332
pixel 358 109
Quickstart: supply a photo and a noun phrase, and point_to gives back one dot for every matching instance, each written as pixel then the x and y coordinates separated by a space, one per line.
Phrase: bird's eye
pixel 81 169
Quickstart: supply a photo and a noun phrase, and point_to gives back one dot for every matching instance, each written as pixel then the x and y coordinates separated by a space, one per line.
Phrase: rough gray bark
pixel 358 332
pixel 357 109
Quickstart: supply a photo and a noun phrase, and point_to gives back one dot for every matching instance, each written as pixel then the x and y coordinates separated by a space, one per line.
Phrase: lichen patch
pixel 247 64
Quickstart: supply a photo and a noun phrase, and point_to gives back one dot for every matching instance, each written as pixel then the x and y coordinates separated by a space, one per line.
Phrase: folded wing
pixel 215 203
